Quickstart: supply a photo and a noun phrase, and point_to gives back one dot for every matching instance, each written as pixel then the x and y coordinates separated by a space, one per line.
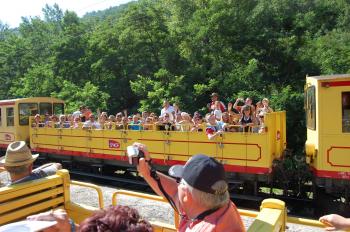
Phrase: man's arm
pixel 335 222
pixel 48 169
pixel 169 184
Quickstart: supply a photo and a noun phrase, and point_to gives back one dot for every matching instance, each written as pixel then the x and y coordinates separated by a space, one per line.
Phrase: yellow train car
pixel 15 113
pixel 240 152
pixel 327 107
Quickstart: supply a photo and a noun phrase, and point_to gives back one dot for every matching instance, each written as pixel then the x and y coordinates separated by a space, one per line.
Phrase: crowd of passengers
pixel 239 116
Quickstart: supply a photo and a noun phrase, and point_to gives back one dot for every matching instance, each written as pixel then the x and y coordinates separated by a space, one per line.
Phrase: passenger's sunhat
pixel 214 94
pixel 200 172
pixel 18 154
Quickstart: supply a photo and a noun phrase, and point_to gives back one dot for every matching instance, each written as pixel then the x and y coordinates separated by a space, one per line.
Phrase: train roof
pixel 43 99
pixel 330 77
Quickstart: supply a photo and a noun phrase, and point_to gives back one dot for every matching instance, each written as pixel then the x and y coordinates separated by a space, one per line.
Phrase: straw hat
pixel 18 154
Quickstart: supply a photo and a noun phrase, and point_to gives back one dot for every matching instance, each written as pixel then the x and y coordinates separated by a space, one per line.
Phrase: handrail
pixel 144 196
pixel 305 222
pixel 97 188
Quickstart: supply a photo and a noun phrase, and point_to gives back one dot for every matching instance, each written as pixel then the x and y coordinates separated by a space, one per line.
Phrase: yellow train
pixel 15 113
pixel 248 157
pixel 327 107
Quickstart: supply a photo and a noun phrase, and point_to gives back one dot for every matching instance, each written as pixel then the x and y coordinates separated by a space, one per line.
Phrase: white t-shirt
pixel 170 110
pixel 94 125
pixel 76 114
pixel 218 114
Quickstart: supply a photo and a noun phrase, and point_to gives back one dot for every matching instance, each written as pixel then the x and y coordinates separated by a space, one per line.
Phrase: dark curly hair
pixel 115 219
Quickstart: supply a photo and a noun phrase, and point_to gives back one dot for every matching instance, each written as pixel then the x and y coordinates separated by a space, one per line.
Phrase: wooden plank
pixel 36 208
pixel 21 190
pixel 20 202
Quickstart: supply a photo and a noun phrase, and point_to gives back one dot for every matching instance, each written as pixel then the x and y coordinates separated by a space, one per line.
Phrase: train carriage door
pixel 334 129
pixel 9 130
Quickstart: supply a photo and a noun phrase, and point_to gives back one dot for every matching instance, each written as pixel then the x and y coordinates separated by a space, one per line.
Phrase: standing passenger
pixel 211 105
pixel 167 109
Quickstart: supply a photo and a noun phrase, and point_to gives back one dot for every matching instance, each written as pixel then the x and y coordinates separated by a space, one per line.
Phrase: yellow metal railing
pixel 97 188
pixel 144 196
pixel 272 217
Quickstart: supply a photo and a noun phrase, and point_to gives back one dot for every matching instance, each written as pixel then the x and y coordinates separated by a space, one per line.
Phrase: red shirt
pixel 225 219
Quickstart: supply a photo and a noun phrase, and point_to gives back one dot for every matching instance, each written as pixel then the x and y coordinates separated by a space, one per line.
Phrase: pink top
pixel 226 219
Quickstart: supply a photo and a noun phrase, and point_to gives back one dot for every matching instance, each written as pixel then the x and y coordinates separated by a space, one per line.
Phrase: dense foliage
pixel 133 56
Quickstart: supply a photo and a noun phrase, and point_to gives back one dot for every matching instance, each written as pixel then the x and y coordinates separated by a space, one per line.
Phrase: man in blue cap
pixel 201 197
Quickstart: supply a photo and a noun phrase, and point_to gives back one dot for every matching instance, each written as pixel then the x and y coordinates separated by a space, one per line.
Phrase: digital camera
pixel 134 155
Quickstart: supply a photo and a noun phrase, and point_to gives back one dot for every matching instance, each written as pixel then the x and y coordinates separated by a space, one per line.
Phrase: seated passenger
pixel 123 124
pixel 258 108
pixel 113 218
pixel 247 120
pixel 197 123
pixel 262 127
pixel 176 108
pixel 18 161
pixel 238 104
pixel 62 123
pixel 46 119
pixel 76 123
pixel 214 128
pixel 135 124
pixel 186 122
pixel 118 118
pixel 335 222
pixel 37 121
pixel 144 116
pixel 91 123
pixel 53 122
pixel 178 119
pixel 227 123
pixel 102 119
pixel 148 124
pixel 110 122
pixel 266 108
pixel 164 123
pixel 249 102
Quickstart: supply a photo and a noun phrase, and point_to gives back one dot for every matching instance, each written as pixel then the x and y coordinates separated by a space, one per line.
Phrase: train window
pixel 10 117
pixel 58 108
pixel 45 108
pixel 26 110
pixel 310 108
pixel 346 111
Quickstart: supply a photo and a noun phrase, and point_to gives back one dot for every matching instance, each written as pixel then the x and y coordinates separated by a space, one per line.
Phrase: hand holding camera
pixel 136 152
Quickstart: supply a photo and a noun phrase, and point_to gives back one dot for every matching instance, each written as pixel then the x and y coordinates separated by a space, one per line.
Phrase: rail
pixel 97 188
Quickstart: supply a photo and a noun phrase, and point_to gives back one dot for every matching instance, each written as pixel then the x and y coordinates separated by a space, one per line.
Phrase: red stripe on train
pixel 229 168
pixel 331 174
pixel 10 103
pixel 335 83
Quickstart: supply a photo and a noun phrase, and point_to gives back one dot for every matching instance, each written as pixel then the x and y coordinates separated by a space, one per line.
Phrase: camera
pixel 134 155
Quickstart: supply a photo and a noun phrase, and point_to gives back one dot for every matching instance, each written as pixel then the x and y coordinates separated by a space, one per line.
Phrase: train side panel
pixel 331 137
pixel 240 152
